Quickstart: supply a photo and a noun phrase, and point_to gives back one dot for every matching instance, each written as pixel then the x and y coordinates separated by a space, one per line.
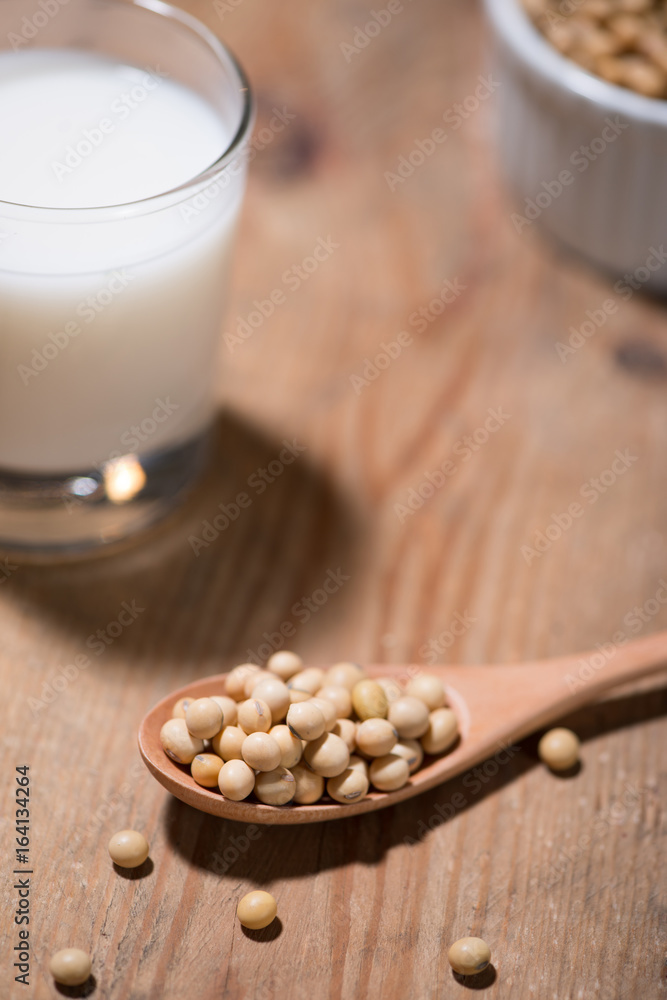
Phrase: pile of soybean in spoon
pixel 289 734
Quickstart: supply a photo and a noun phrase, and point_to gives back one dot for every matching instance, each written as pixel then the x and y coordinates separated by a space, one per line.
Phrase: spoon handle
pixel 584 676
pixel 512 700
pixel 613 663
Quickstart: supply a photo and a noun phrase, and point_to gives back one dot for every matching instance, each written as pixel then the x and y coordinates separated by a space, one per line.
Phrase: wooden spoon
pixel 495 705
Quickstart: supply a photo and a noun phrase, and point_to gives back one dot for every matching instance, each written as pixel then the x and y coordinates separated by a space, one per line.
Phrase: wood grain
pixel 564 878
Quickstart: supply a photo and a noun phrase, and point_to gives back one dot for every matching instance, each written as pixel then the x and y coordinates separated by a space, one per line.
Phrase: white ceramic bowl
pixel 586 159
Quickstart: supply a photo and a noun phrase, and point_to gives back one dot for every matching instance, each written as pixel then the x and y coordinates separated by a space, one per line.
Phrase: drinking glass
pixel 110 317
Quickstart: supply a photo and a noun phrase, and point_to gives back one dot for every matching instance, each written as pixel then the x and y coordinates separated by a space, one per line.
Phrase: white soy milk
pixel 109 320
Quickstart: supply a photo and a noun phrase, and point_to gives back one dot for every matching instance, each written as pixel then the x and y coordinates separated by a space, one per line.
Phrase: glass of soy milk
pixel 124 130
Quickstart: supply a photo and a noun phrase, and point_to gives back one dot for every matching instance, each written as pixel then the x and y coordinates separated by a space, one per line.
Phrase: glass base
pixel 75 513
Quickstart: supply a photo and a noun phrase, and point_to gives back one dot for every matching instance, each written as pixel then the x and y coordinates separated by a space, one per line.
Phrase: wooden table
pixel 564 878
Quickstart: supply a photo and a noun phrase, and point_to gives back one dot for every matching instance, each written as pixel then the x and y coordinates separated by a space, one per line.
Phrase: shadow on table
pixel 283 852
pixel 270 933
pixel 85 990
pixel 134 874
pixel 210 584
pixel 480 981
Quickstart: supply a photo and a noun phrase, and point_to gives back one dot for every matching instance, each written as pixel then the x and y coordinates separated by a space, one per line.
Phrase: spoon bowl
pixel 495 706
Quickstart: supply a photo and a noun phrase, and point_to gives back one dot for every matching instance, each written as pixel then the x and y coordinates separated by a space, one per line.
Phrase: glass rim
pixel 202 179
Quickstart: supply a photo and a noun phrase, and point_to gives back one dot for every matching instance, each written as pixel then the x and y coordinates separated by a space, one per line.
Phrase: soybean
pixel 327 756
pixel 128 848
pixel 469 955
pixel 339 696
pixel 290 747
pixel 559 749
pixel 442 732
pixel 412 751
pixel 349 786
pixel 389 773
pixel 203 718
pixel 178 711
pixel 391 688
pixel 284 664
pixel 254 716
pixel 296 696
pixel 306 720
pixel 275 788
pixel 358 764
pixel 328 710
pixel 275 693
pixel 261 752
pixel 70 966
pixel 369 700
pixel 227 744
pixel 376 737
pixel 178 743
pixel 347 730
pixel 236 780
pixel 205 769
pixel 256 910
pixel 344 675
pixel 409 716
pixel 309 680
pixel 236 680
pixel 229 708
pixel 428 689
pixel 309 786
